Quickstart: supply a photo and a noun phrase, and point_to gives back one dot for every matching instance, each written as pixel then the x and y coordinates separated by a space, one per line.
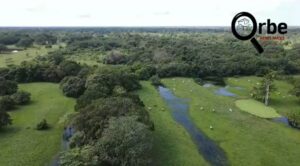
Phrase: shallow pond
pixel 224 92
pixel 285 121
pixel 207 147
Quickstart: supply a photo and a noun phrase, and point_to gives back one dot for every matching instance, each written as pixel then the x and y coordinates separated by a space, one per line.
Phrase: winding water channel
pixel 207 147
pixel 67 134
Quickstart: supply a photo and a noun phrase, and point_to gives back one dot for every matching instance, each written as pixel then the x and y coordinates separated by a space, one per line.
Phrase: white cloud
pixel 141 12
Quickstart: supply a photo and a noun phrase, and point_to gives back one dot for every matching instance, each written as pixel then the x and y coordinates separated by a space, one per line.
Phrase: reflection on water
pixel 285 121
pixel 208 148
pixel 224 92
pixel 282 119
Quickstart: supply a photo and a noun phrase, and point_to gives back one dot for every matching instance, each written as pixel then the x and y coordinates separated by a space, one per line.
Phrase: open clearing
pixel 21 144
pixel 256 108
pixel 8 59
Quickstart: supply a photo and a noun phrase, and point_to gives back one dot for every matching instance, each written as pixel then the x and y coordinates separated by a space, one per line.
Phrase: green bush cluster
pixel 9 97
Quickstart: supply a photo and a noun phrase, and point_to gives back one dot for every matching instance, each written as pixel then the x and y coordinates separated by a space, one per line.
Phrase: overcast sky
pixel 143 12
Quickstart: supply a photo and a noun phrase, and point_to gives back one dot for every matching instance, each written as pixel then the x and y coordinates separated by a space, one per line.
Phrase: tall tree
pixel 264 89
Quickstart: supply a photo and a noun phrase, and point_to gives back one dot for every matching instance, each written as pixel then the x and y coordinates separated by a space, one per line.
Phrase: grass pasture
pixel 88 58
pixel 256 108
pixel 246 139
pixel 21 144
pixel 7 59
pixel 172 144
pixel 281 100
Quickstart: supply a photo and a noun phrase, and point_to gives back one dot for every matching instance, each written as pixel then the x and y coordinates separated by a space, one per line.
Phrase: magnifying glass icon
pixel 240 27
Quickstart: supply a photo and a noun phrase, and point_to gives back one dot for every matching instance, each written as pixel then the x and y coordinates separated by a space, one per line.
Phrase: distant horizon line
pixel 1 26
pixel 204 26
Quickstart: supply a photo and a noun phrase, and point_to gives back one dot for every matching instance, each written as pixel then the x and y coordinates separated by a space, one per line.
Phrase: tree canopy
pixel 7 87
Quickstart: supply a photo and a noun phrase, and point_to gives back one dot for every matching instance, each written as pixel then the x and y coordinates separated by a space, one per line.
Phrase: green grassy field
pixel 246 139
pixel 84 57
pixel 172 144
pixel 89 58
pixel 20 143
pixel 281 100
pixel 256 108
pixel 24 55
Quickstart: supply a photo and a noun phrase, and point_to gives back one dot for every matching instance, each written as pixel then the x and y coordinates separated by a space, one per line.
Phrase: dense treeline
pixel 9 97
pixel 108 30
pixel 25 40
pixel 197 52
pixel 197 55
pixel 112 125
pixel 48 69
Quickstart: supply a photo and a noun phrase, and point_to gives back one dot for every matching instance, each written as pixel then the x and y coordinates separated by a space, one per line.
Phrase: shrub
pixel 7 87
pixel 43 125
pixel 294 119
pixel 296 89
pixel 146 72
pixel 6 103
pixel 199 81
pixel 21 97
pixel 4 119
pixel 72 86
pixel 216 80
pixel 155 80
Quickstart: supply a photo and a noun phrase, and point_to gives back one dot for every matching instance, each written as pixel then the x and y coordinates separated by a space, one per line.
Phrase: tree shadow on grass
pixel 10 130
pixel 18 107
pixel 284 101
